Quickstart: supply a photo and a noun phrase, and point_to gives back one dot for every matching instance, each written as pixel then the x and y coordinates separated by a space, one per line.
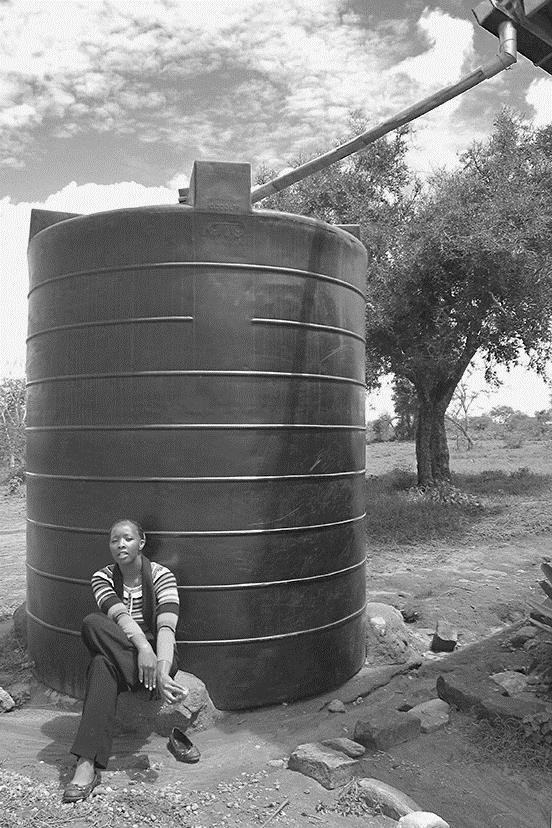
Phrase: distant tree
pixel 382 428
pixel 12 421
pixel 502 413
pixel 463 399
pixel 405 403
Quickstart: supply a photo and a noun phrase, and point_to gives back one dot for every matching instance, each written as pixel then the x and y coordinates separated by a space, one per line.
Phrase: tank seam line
pixel 204 533
pixel 243 266
pixel 214 587
pixel 194 373
pixel 214 479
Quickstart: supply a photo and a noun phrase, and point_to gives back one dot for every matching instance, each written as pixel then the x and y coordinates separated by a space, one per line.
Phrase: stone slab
pixel 346 746
pixel 383 728
pixel 484 697
pixel 368 679
pixel 330 768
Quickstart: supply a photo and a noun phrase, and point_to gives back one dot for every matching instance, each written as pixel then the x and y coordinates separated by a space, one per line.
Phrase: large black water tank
pixel 202 370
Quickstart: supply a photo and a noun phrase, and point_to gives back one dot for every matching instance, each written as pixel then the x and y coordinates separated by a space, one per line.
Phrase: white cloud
pixel 539 96
pixel 451 46
pixel 220 74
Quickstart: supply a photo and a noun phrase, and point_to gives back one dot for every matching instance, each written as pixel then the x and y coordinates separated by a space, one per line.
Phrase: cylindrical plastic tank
pixel 203 372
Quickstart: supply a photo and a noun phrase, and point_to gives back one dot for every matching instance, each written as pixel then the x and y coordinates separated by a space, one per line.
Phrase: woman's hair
pixel 135 523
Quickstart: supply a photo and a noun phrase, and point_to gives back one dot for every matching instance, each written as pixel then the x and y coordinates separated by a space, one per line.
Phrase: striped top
pixel 164 587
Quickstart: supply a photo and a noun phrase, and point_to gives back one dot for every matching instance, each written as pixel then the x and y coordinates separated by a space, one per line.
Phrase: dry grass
pixel 514 488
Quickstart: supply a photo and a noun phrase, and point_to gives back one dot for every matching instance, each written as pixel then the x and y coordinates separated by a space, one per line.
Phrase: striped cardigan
pixel 164 587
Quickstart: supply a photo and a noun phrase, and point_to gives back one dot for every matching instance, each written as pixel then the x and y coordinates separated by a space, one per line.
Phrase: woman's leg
pixel 112 670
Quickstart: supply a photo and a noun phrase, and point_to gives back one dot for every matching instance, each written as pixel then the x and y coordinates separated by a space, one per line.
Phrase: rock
pixel 20 624
pixel 382 728
pixel 422 819
pixel 329 767
pixel 511 681
pixel 382 797
pixel 20 691
pixel 6 701
pixel 276 763
pixel 484 698
pixel 432 714
pixel 386 635
pixel 445 638
pixel 346 746
pixel 137 713
pixel 519 637
pixel 337 706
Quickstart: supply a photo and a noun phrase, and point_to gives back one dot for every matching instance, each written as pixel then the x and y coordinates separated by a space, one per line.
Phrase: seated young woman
pixel 131 644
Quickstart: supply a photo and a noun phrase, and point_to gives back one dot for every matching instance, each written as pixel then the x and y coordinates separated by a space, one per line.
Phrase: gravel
pixel 248 800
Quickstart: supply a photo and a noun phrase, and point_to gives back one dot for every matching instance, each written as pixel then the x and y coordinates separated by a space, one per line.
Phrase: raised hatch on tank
pixel 200 367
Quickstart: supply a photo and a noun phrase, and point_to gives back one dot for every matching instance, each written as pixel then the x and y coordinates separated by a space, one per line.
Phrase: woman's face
pixel 125 543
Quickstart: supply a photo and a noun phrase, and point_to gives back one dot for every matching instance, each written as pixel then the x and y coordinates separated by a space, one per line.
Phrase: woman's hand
pixel 168 689
pixel 147 667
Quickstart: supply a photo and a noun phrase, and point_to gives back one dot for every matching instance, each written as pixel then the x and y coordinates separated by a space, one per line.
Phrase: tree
pixel 463 267
pixel 12 421
pixel 470 272
pixel 405 403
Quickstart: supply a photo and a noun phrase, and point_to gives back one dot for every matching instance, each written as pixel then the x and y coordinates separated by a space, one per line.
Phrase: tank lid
pixel 220 187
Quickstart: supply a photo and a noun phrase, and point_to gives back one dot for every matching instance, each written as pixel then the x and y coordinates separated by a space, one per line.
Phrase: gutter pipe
pixel 507 55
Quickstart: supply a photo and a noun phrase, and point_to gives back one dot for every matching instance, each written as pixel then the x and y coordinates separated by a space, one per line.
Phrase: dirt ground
pixel 478 580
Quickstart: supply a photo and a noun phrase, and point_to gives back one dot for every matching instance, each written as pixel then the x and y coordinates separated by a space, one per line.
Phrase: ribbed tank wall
pixel 203 373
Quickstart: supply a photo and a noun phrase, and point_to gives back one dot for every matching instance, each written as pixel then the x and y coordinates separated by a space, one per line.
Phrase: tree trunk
pixel 432 454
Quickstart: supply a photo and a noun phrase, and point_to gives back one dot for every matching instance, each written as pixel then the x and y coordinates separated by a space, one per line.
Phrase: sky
pixel 107 104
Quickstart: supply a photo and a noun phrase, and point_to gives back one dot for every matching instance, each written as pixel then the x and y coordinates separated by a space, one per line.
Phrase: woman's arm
pixel 147 661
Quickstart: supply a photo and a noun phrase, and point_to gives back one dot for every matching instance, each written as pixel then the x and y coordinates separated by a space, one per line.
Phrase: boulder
pixel 6 702
pixel 337 706
pixel 346 746
pixel 387 638
pixel 432 714
pixel 422 819
pixel 138 713
pixel 329 767
pixel 383 727
pixel 382 797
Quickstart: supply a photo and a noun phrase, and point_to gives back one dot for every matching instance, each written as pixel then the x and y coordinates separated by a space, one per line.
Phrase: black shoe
pixel 182 748
pixel 75 793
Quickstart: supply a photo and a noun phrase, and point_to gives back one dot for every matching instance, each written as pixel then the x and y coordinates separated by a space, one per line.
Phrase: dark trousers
pixel 112 670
